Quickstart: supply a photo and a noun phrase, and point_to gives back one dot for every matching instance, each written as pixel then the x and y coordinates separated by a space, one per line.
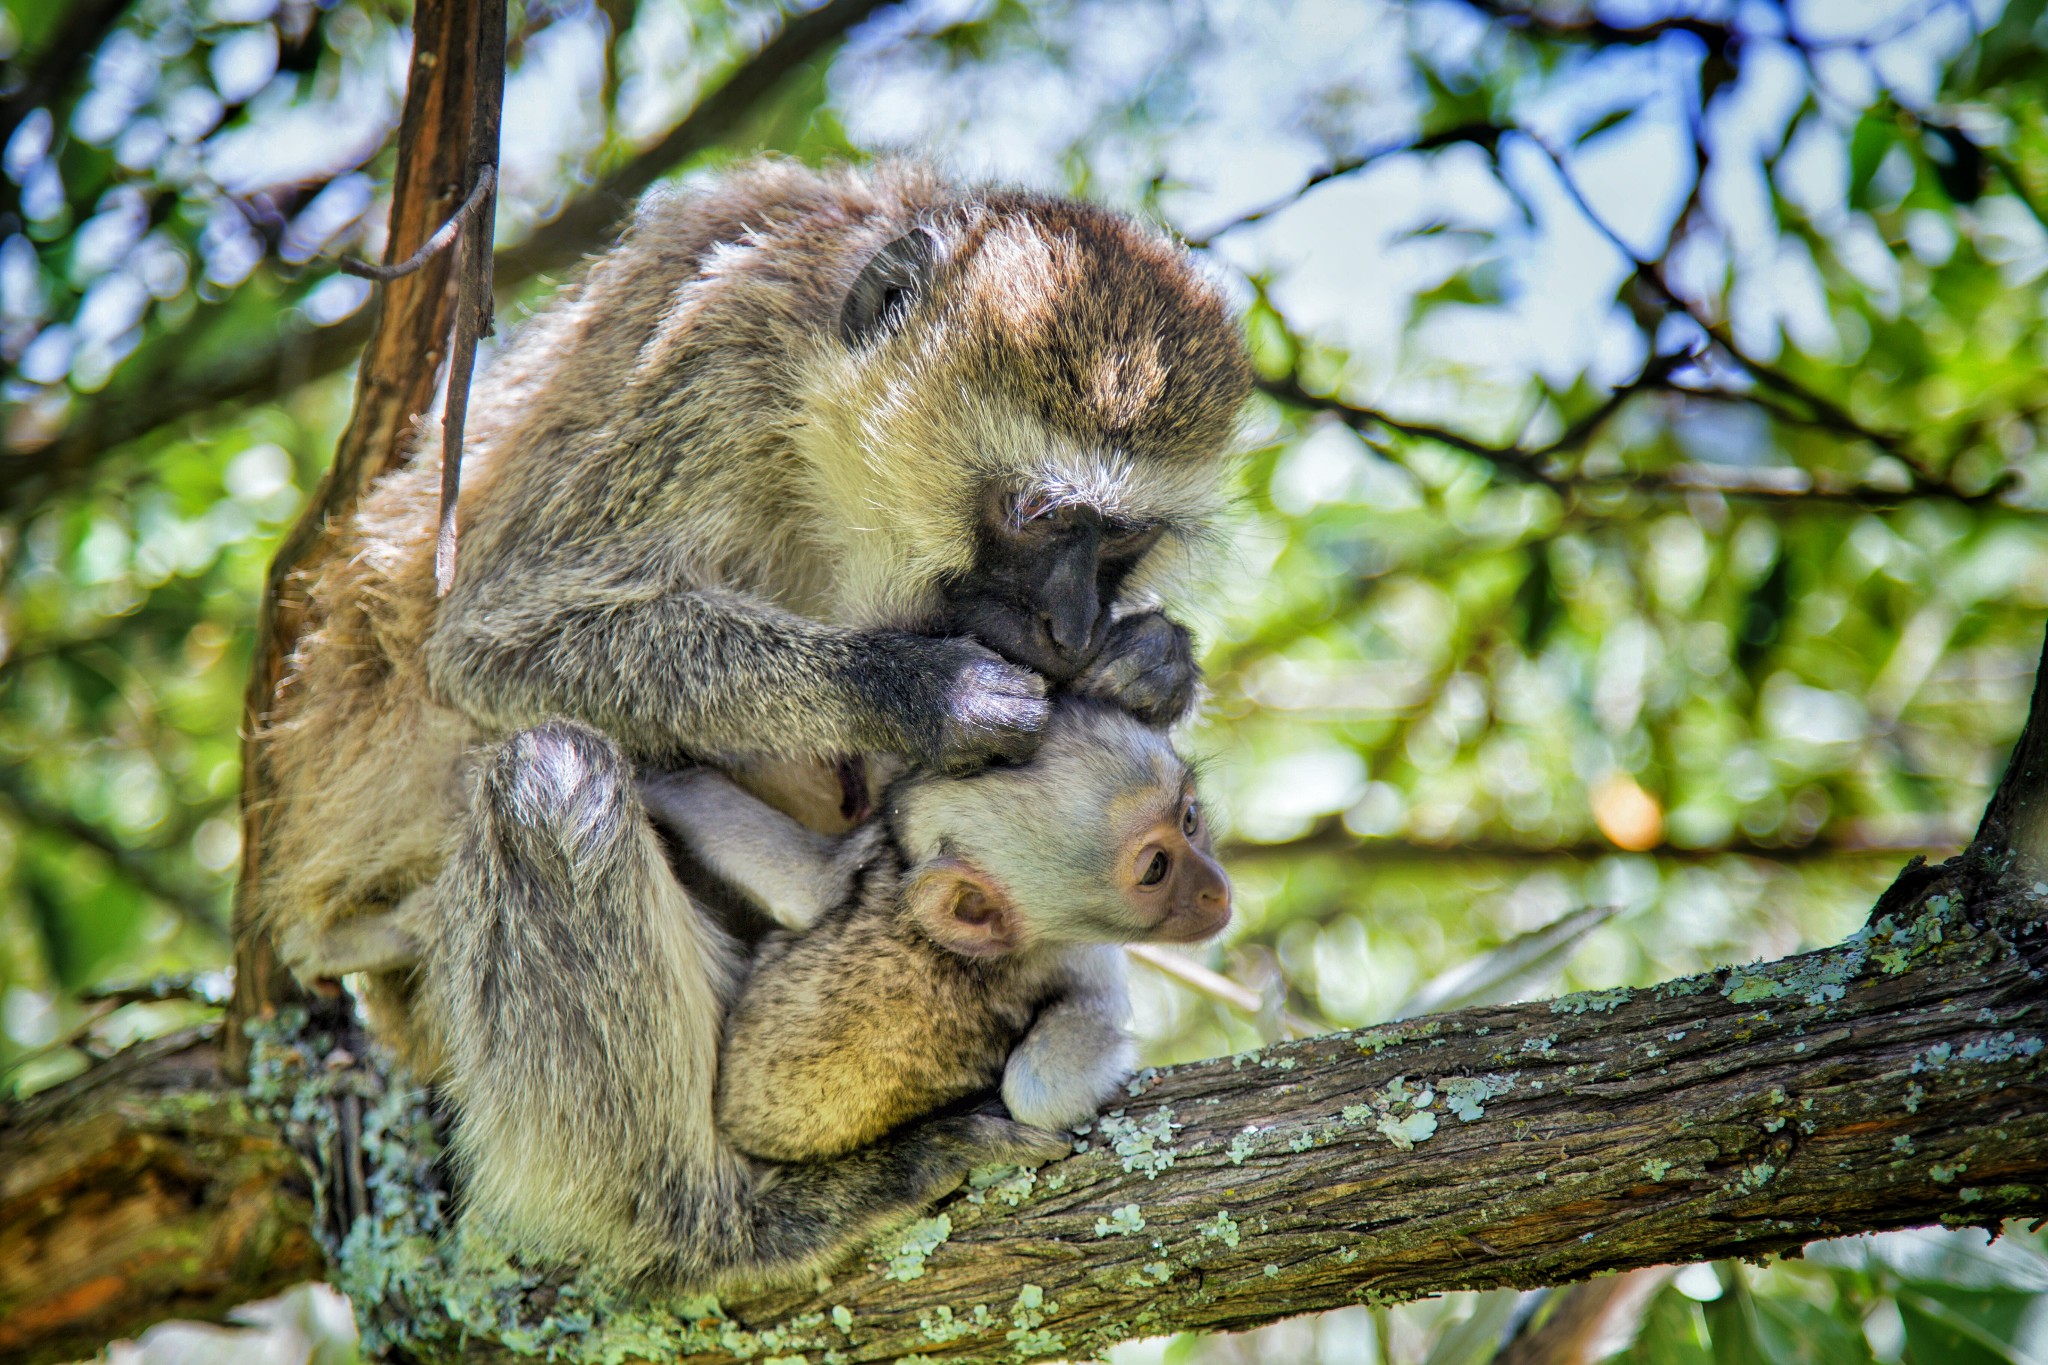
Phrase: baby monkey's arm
pixel 1077 1053
pixel 791 873
pixel 387 941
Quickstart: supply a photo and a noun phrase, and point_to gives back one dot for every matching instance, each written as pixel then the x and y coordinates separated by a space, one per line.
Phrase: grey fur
pixel 698 523
pixel 581 995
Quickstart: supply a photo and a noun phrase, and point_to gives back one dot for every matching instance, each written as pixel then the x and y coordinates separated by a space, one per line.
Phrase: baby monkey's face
pixel 1100 838
pixel 1167 877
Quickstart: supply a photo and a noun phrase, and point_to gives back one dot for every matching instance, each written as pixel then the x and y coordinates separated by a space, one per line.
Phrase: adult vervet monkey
pixel 810 465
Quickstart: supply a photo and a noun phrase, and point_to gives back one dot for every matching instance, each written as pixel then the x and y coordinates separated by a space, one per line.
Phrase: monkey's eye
pixel 1130 541
pixel 1155 871
pixel 1191 819
pixel 1029 507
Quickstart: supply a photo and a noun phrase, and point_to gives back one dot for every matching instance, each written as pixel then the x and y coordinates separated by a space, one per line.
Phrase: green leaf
pixel 1607 123
pixel 1875 133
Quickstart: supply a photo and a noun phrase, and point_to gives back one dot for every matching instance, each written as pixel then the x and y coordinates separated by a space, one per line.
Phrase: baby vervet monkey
pixel 966 937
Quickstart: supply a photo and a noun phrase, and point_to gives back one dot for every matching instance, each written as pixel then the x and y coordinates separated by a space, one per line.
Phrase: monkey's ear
pixel 962 909
pixel 888 287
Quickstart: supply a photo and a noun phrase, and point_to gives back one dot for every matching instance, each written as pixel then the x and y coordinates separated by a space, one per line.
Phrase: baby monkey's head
pixel 1100 838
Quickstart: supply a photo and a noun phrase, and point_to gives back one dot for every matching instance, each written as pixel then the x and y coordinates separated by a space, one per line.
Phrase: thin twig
pixel 473 320
pixel 442 239
pixel 1216 986
pixel 1483 135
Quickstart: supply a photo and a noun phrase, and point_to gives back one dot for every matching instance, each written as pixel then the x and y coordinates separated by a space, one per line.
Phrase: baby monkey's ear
pixel 963 909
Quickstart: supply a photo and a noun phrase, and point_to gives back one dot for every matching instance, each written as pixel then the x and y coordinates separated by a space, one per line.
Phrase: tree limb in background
pixel 437 166
pixel 589 220
pixel 137 404
pixel 191 904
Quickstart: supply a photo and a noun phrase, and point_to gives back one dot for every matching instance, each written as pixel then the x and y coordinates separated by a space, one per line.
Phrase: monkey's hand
pixel 988 710
pixel 1147 666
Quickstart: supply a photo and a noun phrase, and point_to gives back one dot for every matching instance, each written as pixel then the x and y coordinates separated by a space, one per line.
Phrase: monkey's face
pixel 1100 838
pixel 1023 408
pixel 1046 573
pixel 1169 878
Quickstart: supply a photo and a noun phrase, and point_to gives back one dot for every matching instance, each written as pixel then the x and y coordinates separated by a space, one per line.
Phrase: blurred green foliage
pixel 1641 551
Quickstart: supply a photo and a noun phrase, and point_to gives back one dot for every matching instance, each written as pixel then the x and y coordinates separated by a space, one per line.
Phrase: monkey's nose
pixel 1070 621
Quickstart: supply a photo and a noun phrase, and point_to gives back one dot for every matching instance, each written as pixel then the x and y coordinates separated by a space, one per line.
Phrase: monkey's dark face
pixel 1046 572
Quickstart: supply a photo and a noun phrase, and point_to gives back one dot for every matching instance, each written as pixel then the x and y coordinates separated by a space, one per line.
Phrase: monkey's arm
pixel 793 874
pixel 667 669
pixel 1077 1053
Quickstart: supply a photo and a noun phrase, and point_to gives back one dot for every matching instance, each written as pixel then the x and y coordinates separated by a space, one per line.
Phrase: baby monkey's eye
pixel 1155 871
pixel 1191 819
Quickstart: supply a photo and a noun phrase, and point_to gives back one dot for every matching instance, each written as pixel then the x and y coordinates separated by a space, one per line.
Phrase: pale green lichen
pixel 1685 986
pixel 1542 1045
pixel 1010 1185
pixel 1656 1168
pixel 1376 1040
pixel 1596 1002
pixel 1466 1096
pixel 1942 1175
pixel 1242 1145
pixel 906 1251
pixel 1028 1336
pixel 941 1326
pixel 842 1318
pixel 1903 1144
pixel 1146 1147
pixel 1404 1133
pixel 1222 1228
pixel 1272 1272
pixel 1150 1275
pixel 421 1287
pixel 2005 1047
pixel 1122 1222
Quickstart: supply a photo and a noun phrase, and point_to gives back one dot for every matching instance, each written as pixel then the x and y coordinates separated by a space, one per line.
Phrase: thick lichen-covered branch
pixel 1896 1079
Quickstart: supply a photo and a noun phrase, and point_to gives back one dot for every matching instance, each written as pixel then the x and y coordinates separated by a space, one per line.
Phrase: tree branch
pixel 590 219
pixel 1848 839
pixel 1895 1080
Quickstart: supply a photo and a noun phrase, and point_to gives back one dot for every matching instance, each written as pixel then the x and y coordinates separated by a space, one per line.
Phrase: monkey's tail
pixel 781 1223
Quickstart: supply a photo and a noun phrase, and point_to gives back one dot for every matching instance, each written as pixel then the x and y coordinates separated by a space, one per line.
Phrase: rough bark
pixel 394 386
pixel 1897 1079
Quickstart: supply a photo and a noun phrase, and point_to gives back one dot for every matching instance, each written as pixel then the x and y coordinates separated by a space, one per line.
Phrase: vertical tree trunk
pixel 394 387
